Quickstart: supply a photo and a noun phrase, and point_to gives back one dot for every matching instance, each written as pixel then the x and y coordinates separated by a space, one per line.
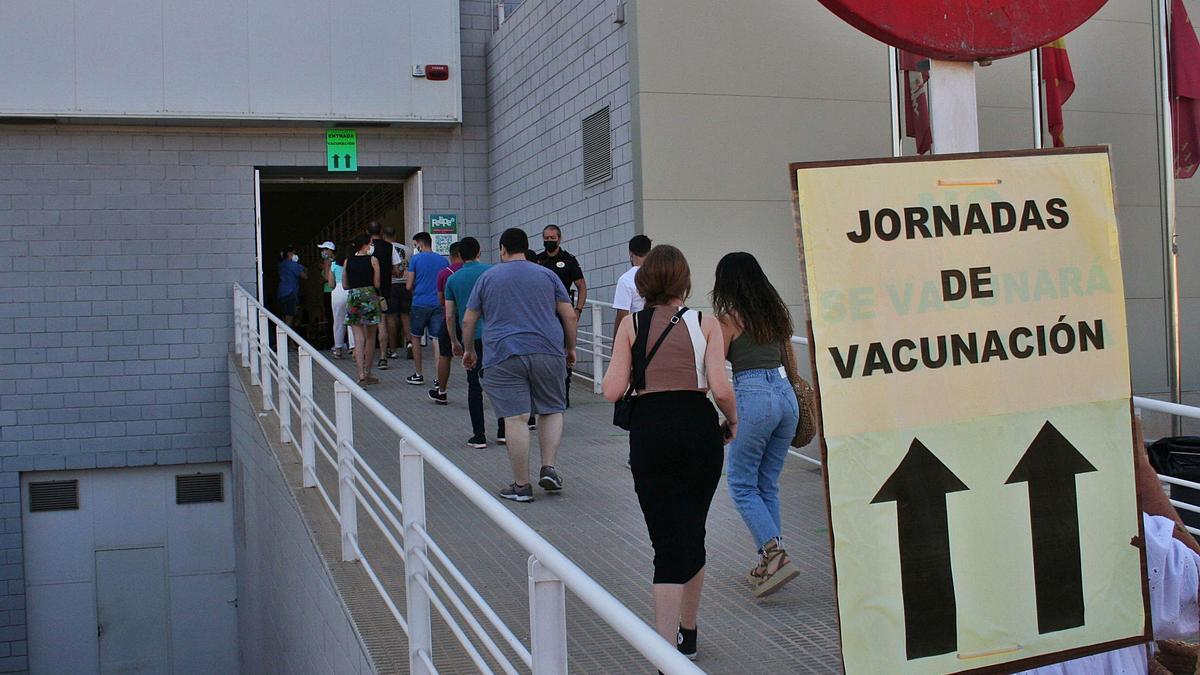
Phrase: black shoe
pixel 685 642
pixel 408 351
pixel 382 365
pixel 438 396
pixel 479 442
pixel 517 493
pixel 550 480
pixel 500 437
pixel 415 378
pixel 533 422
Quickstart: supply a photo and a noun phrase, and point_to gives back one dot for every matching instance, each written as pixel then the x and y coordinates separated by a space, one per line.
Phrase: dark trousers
pixel 475 392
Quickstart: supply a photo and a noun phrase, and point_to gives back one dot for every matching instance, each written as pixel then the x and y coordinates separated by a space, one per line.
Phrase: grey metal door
pixel 131 611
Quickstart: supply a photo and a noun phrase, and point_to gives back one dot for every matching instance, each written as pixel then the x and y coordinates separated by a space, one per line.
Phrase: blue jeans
pixel 767 417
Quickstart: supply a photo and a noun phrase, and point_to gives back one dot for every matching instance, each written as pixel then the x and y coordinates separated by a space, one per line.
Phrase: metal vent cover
pixel 198 488
pixel 597 147
pixel 54 495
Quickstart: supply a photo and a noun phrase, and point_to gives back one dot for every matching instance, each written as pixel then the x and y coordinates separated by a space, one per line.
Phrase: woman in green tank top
pixel 757 328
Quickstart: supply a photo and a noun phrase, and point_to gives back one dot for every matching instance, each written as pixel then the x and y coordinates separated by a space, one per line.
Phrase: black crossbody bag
pixel 623 408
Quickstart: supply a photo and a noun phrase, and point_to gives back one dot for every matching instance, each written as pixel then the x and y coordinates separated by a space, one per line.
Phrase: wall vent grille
pixel 54 495
pixel 597 147
pixel 199 488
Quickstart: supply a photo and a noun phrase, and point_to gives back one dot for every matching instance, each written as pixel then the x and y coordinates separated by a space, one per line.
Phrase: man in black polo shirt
pixel 567 269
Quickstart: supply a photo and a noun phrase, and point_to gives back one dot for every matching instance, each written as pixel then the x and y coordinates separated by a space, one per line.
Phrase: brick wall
pixel 121 245
pixel 550 65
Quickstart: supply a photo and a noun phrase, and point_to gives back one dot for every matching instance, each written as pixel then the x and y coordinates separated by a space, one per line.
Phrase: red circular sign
pixel 965 30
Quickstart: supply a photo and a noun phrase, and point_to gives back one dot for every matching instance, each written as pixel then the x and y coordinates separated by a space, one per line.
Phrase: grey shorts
pixel 532 383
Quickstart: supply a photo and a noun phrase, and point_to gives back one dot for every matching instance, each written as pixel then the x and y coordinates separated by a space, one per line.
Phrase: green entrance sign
pixel 341 149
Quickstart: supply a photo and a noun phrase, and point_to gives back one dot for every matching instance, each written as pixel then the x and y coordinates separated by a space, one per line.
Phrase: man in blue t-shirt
pixel 527 311
pixel 458 292
pixel 426 312
pixel 290 274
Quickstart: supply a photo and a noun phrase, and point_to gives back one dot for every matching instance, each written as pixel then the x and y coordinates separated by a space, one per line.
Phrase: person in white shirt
pixel 626 298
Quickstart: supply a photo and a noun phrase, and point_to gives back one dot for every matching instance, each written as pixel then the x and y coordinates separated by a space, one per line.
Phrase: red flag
pixel 916 100
pixel 1184 59
pixel 1060 84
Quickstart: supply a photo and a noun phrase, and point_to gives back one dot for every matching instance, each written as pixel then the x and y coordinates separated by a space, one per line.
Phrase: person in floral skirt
pixel 361 280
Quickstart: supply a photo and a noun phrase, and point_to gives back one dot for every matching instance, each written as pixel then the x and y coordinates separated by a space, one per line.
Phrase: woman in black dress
pixel 676 357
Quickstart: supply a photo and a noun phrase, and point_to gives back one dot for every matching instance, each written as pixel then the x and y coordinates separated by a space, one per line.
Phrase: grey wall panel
pixel 230 59
pixel 289 58
pixel 430 22
pixel 205 61
pixel 380 84
pixel 119 55
pixel 37 55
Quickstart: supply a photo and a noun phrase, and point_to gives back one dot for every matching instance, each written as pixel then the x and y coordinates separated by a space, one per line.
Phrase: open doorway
pixel 302 208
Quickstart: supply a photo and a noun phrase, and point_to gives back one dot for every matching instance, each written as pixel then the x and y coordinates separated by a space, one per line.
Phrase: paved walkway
pixel 597 523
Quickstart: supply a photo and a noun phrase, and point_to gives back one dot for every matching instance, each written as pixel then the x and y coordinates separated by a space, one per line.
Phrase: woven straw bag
pixel 806 427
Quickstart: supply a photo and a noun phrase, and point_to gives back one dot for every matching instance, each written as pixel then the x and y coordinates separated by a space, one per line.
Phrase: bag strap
pixel 638 381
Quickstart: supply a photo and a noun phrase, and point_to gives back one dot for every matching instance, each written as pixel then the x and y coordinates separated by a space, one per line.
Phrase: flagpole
pixel 894 97
pixel 1166 175
pixel 1035 87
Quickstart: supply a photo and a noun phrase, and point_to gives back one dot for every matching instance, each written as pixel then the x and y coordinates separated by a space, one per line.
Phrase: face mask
pixel 295 258
pixel 551 246
pixel 371 249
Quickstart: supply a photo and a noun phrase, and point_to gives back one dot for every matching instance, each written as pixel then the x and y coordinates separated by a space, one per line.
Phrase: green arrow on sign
pixel 341 150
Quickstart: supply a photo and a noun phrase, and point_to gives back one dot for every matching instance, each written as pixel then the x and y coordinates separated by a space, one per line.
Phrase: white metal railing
pixel 432 581
pixel 594 342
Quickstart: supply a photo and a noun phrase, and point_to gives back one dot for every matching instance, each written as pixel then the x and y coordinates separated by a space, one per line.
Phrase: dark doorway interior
pixel 303 212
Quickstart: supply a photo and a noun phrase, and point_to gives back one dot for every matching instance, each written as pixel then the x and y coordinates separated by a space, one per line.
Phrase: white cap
pixel 329 245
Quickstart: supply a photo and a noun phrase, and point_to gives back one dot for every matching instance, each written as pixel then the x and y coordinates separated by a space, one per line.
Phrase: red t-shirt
pixel 444 274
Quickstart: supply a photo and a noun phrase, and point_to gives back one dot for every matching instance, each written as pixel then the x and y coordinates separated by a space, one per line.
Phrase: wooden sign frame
pixel 1009 666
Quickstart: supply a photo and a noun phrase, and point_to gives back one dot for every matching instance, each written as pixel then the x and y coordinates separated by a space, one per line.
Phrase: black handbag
pixel 623 408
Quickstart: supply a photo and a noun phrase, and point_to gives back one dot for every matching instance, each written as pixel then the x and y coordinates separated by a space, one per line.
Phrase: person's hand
pixel 458 348
pixel 469 358
pixel 729 431
pixel 571 357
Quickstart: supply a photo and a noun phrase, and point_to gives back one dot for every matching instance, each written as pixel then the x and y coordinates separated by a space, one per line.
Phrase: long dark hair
pixel 743 292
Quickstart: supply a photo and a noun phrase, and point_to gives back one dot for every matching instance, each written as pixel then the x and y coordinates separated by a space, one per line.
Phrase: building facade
pixel 137 140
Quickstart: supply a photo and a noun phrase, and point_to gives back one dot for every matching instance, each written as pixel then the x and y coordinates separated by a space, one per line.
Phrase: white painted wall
pixel 256 59
pixel 124 509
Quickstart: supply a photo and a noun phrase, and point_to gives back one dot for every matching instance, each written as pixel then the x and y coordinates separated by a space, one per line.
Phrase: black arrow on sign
pixel 335 161
pixel 1049 467
pixel 919 486
pixel 347 161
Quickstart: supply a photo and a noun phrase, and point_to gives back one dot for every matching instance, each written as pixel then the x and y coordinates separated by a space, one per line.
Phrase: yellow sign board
pixel 967 329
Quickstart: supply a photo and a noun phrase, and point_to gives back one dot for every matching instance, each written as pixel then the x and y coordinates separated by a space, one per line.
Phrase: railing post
pixel 237 322
pixel 347 502
pixel 412 496
pixel 597 348
pixel 252 343
pixel 284 402
pixel 264 350
pixel 244 335
pixel 308 459
pixel 547 620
